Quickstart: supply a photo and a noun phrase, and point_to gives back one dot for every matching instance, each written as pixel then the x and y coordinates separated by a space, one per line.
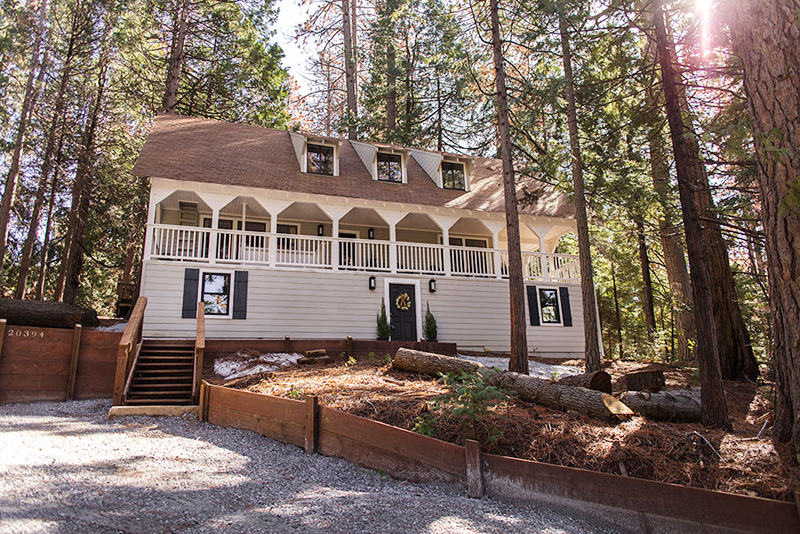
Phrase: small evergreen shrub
pixel 430 330
pixel 384 331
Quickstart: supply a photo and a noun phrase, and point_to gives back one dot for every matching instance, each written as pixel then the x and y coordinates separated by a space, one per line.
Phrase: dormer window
pixel 390 167
pixel 320 159
pixel 453 175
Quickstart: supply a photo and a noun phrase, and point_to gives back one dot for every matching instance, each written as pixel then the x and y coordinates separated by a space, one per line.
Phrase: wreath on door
pixel 403 302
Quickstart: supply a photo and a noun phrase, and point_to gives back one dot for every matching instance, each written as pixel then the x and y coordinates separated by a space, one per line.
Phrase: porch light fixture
pixel 432 285
pixel 371 233
pixel 372 283
pixel 321 230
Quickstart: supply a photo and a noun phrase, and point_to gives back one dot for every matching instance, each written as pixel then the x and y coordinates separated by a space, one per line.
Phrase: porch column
pixel 335 213
pixel 216 203
pixel 541 231
pixel 274 207
pixel 392 218
pixel 495 227
pixel 446 222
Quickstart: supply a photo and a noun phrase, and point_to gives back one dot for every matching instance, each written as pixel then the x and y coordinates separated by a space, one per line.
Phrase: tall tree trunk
pixel 84 183
pixel 715 411
pixel 674 257
pixel 439 111
pixel 516 286
pixel 765 36
pixel 737 360
pixel 391 87
pixel 348 29
pixel 616 308
pixel 176 56
pixel 39 291
pixel 584 252
pixel 28 104
pixel 647 282
pixel 78 26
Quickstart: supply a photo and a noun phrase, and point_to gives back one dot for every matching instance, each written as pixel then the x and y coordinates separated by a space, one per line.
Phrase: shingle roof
pixel 202 150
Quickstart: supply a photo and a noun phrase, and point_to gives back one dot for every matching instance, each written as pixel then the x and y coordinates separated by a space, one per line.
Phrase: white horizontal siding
pixel 471 312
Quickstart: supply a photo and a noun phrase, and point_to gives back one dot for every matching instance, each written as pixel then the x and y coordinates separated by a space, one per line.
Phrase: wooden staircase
pixel 163 373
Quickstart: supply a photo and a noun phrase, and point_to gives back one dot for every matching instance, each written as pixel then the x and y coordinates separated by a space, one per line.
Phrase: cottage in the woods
pixel 285 233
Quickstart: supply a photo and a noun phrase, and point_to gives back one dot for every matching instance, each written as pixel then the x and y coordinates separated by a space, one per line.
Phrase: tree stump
pixel 652 381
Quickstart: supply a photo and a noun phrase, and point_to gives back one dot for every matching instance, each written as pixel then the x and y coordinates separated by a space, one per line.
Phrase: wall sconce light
pixel 371 233
pixel 321 230
pixel 432 286
pixel 372 283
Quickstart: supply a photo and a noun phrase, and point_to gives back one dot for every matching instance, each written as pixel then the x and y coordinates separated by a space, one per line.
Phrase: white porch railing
pixel 184 243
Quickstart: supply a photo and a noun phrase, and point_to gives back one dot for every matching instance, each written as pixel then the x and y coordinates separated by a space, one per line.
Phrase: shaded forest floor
pixel 734 462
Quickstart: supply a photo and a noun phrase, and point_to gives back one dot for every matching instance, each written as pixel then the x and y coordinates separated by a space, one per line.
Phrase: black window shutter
pixel 565 309
pixel 191 278
pixel 533 305
pixel 240 295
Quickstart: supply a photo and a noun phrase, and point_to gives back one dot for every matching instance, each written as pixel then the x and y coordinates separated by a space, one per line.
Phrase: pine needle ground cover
pixel 453 409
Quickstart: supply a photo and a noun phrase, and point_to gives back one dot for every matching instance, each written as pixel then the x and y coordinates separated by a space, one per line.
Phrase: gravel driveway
pixel 65 468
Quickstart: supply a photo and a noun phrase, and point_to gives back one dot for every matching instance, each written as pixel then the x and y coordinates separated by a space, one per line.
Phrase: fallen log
pixel 46 314
pixel 682 405
pixel 599 381
pixel 537 390
pixel 652 381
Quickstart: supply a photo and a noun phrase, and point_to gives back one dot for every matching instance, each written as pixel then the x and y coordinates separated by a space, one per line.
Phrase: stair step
pixel 156 351
pixel 162 365
pixel 151 378
pixel 162 385
pixel 158 357
pixel 163 393
pixel 155 373
pixel 156 402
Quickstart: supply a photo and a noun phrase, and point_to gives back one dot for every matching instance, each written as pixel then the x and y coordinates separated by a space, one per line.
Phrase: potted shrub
pixel 429 330
pixel 383 328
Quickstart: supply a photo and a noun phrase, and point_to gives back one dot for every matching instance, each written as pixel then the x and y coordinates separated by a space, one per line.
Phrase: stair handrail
pixel 128 351
pixel 199 351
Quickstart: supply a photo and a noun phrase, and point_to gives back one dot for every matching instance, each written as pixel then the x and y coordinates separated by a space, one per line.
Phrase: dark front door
pixel 403 312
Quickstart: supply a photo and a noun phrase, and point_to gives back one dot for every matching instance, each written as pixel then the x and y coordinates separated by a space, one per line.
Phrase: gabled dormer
pixel 317 155
pixel 448 171
pixel 385 163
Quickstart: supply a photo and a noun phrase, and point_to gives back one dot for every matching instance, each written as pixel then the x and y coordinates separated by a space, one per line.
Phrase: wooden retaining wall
pixel 631 504
pixel 55 363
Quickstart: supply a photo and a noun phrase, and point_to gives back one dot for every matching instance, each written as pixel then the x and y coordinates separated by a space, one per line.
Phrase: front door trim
pixel 417 295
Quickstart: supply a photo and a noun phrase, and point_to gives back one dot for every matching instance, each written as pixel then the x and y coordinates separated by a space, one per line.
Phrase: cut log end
pixel 599 381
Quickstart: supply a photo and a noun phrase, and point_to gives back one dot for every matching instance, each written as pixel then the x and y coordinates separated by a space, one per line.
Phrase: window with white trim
pixel 390 167
pixel 320 159
pixel 453 176
pixel 549 306
pixel 216 293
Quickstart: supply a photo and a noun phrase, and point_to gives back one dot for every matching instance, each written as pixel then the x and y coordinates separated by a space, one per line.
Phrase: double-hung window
pixel 216 293
pixel 548 306
pixel 320 159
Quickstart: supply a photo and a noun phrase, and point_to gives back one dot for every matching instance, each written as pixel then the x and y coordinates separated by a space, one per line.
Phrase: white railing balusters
pixel 206 245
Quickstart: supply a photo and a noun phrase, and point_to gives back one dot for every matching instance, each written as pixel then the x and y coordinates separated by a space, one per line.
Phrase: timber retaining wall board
pixel 35 363
pixel 630 504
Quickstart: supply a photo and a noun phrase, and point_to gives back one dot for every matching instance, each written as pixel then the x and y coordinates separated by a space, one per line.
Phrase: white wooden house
pixel 283 233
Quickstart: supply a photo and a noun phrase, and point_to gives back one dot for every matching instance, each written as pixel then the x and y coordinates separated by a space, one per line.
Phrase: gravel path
pixel 65 468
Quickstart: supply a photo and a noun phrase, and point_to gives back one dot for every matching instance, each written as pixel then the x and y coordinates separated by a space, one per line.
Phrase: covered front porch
pixel 251 228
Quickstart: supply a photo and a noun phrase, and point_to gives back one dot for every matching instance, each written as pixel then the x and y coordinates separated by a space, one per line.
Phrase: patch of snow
pixel 117 327
pixel 246 363
pixel 537 369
